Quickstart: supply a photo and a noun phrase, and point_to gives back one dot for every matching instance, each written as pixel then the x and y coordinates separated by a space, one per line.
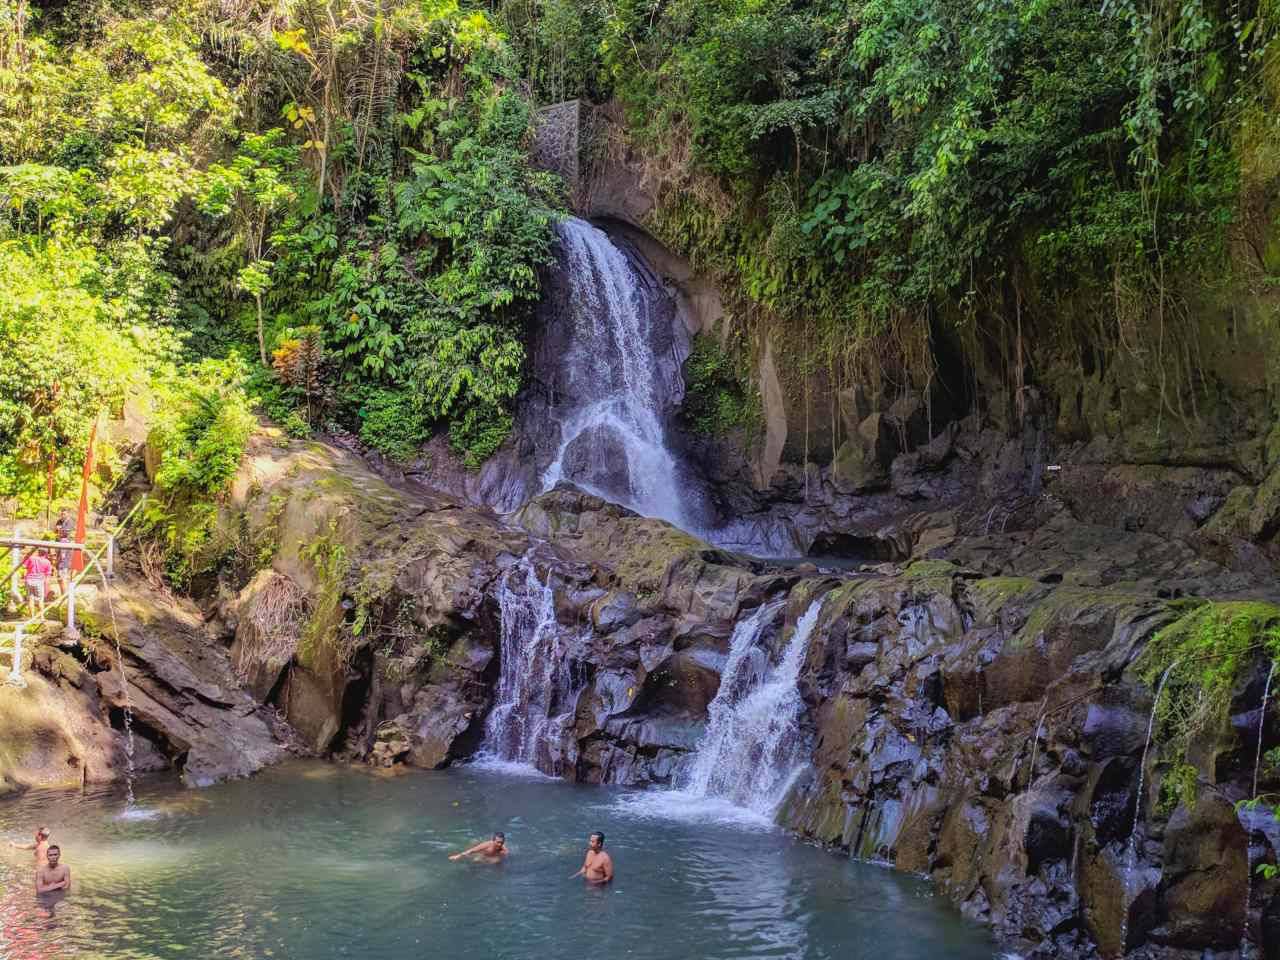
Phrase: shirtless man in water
pixel 598 867
pixel 53 875
pixel 489 851
pixel 40 846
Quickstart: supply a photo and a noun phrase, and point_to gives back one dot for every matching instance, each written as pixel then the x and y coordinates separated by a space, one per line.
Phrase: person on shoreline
pixel 53 876
pixel 38 570
pixel 487 851
pixel 64 530
pixel 597 868
pixel 40 846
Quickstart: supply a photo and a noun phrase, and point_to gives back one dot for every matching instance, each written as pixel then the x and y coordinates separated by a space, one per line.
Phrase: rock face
pixel 971 710
pixel 56 731
pixel 176 680
pixel 187 708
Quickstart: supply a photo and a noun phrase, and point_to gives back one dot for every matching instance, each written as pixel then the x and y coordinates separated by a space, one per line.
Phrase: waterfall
pixel 612 438
pixel 1131 858
pixel 1257 765
pixel 536 693
pixel 126 705
pixel 753 747
pixel 1035 741
pixel 128 725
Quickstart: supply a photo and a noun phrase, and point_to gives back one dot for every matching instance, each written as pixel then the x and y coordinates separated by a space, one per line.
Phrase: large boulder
pixel 176 681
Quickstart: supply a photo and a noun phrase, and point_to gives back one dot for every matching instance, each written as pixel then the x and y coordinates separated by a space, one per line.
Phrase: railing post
pixel 15 672
pixel 15 555
pixel 72 632
pixel 111 556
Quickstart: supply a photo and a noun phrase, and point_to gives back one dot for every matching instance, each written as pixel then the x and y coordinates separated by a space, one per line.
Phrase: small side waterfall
pixel 612 438
pixel 1257 765
pixel 753 748
pixel 536 690
pixel 1035 741
pixel 127 706
pixel 128 727
pixel 1131 857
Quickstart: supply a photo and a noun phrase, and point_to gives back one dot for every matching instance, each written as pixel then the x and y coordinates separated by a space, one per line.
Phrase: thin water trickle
pixel 1131 857
pixel 536 691
pixel 753 747
pixel 1257 765
pixel 1035 742
pixel 127 707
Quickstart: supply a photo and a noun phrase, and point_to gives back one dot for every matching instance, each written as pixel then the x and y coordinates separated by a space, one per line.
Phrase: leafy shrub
pixel 477 434
pixel 200 432
pixel 715 399
pixel 198 441
pixel 392 423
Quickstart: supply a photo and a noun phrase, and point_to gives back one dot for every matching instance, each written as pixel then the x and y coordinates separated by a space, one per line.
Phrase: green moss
pixel 991 594
pixel 1178 786
pixel 1202 657
pixel 323 636
pixel 1065 603
pixel 931 568
pixel 997 591
pixel 718 395
pixel 931 576
pixel 267 541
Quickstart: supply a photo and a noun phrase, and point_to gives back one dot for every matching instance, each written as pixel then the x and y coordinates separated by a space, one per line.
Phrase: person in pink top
pixel 38 571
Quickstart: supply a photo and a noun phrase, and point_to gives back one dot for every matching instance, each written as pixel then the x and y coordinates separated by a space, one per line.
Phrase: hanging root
pixel 277 613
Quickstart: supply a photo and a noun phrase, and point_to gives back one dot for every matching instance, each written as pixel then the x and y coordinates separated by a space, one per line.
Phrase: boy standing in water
pixel 53 876
pixel 598 867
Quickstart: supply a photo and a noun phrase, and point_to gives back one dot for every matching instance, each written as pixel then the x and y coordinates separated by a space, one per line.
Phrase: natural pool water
pixel 313 861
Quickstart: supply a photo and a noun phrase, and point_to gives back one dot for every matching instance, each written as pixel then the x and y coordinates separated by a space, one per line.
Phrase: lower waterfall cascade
pixel 536 690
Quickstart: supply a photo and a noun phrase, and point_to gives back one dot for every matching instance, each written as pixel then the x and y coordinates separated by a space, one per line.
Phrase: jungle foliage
pixel 867 172
pixel 340 191
pixel 337 191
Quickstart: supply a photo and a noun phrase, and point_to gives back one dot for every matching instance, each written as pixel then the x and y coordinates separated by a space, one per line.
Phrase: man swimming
pixel 488 851
pixel 40 846
pixel 53 875
pixel 598 866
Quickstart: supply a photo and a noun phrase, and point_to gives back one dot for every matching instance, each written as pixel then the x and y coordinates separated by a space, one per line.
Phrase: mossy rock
pixel 932 576
pixel 1264 515
pixel 990 595
pixel 856 468
pixel 1232 519
pixel 1073 606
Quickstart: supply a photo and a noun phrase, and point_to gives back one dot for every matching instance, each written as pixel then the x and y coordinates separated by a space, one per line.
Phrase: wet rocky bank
pixel 973 708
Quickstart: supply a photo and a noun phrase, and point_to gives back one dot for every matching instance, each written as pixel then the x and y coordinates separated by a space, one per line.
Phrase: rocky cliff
pixel 975 710
pixel 975 706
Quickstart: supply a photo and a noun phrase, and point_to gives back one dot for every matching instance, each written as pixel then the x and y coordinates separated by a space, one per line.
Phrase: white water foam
pixel 753 748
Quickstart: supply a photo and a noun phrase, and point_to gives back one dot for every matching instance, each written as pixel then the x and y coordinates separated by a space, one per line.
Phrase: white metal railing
pixel 96 560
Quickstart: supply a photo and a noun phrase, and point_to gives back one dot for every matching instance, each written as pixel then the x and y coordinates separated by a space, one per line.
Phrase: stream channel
pixel 309 861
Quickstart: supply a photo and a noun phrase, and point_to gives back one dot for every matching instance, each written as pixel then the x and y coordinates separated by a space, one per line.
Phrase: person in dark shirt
pixel 64 529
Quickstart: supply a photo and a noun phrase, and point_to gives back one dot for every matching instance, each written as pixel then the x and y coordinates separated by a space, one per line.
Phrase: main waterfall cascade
pixel 613 440
pixel 607 382
pixel 536 694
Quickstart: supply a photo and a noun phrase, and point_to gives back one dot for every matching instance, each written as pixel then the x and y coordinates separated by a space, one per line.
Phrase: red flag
pixel 77 558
